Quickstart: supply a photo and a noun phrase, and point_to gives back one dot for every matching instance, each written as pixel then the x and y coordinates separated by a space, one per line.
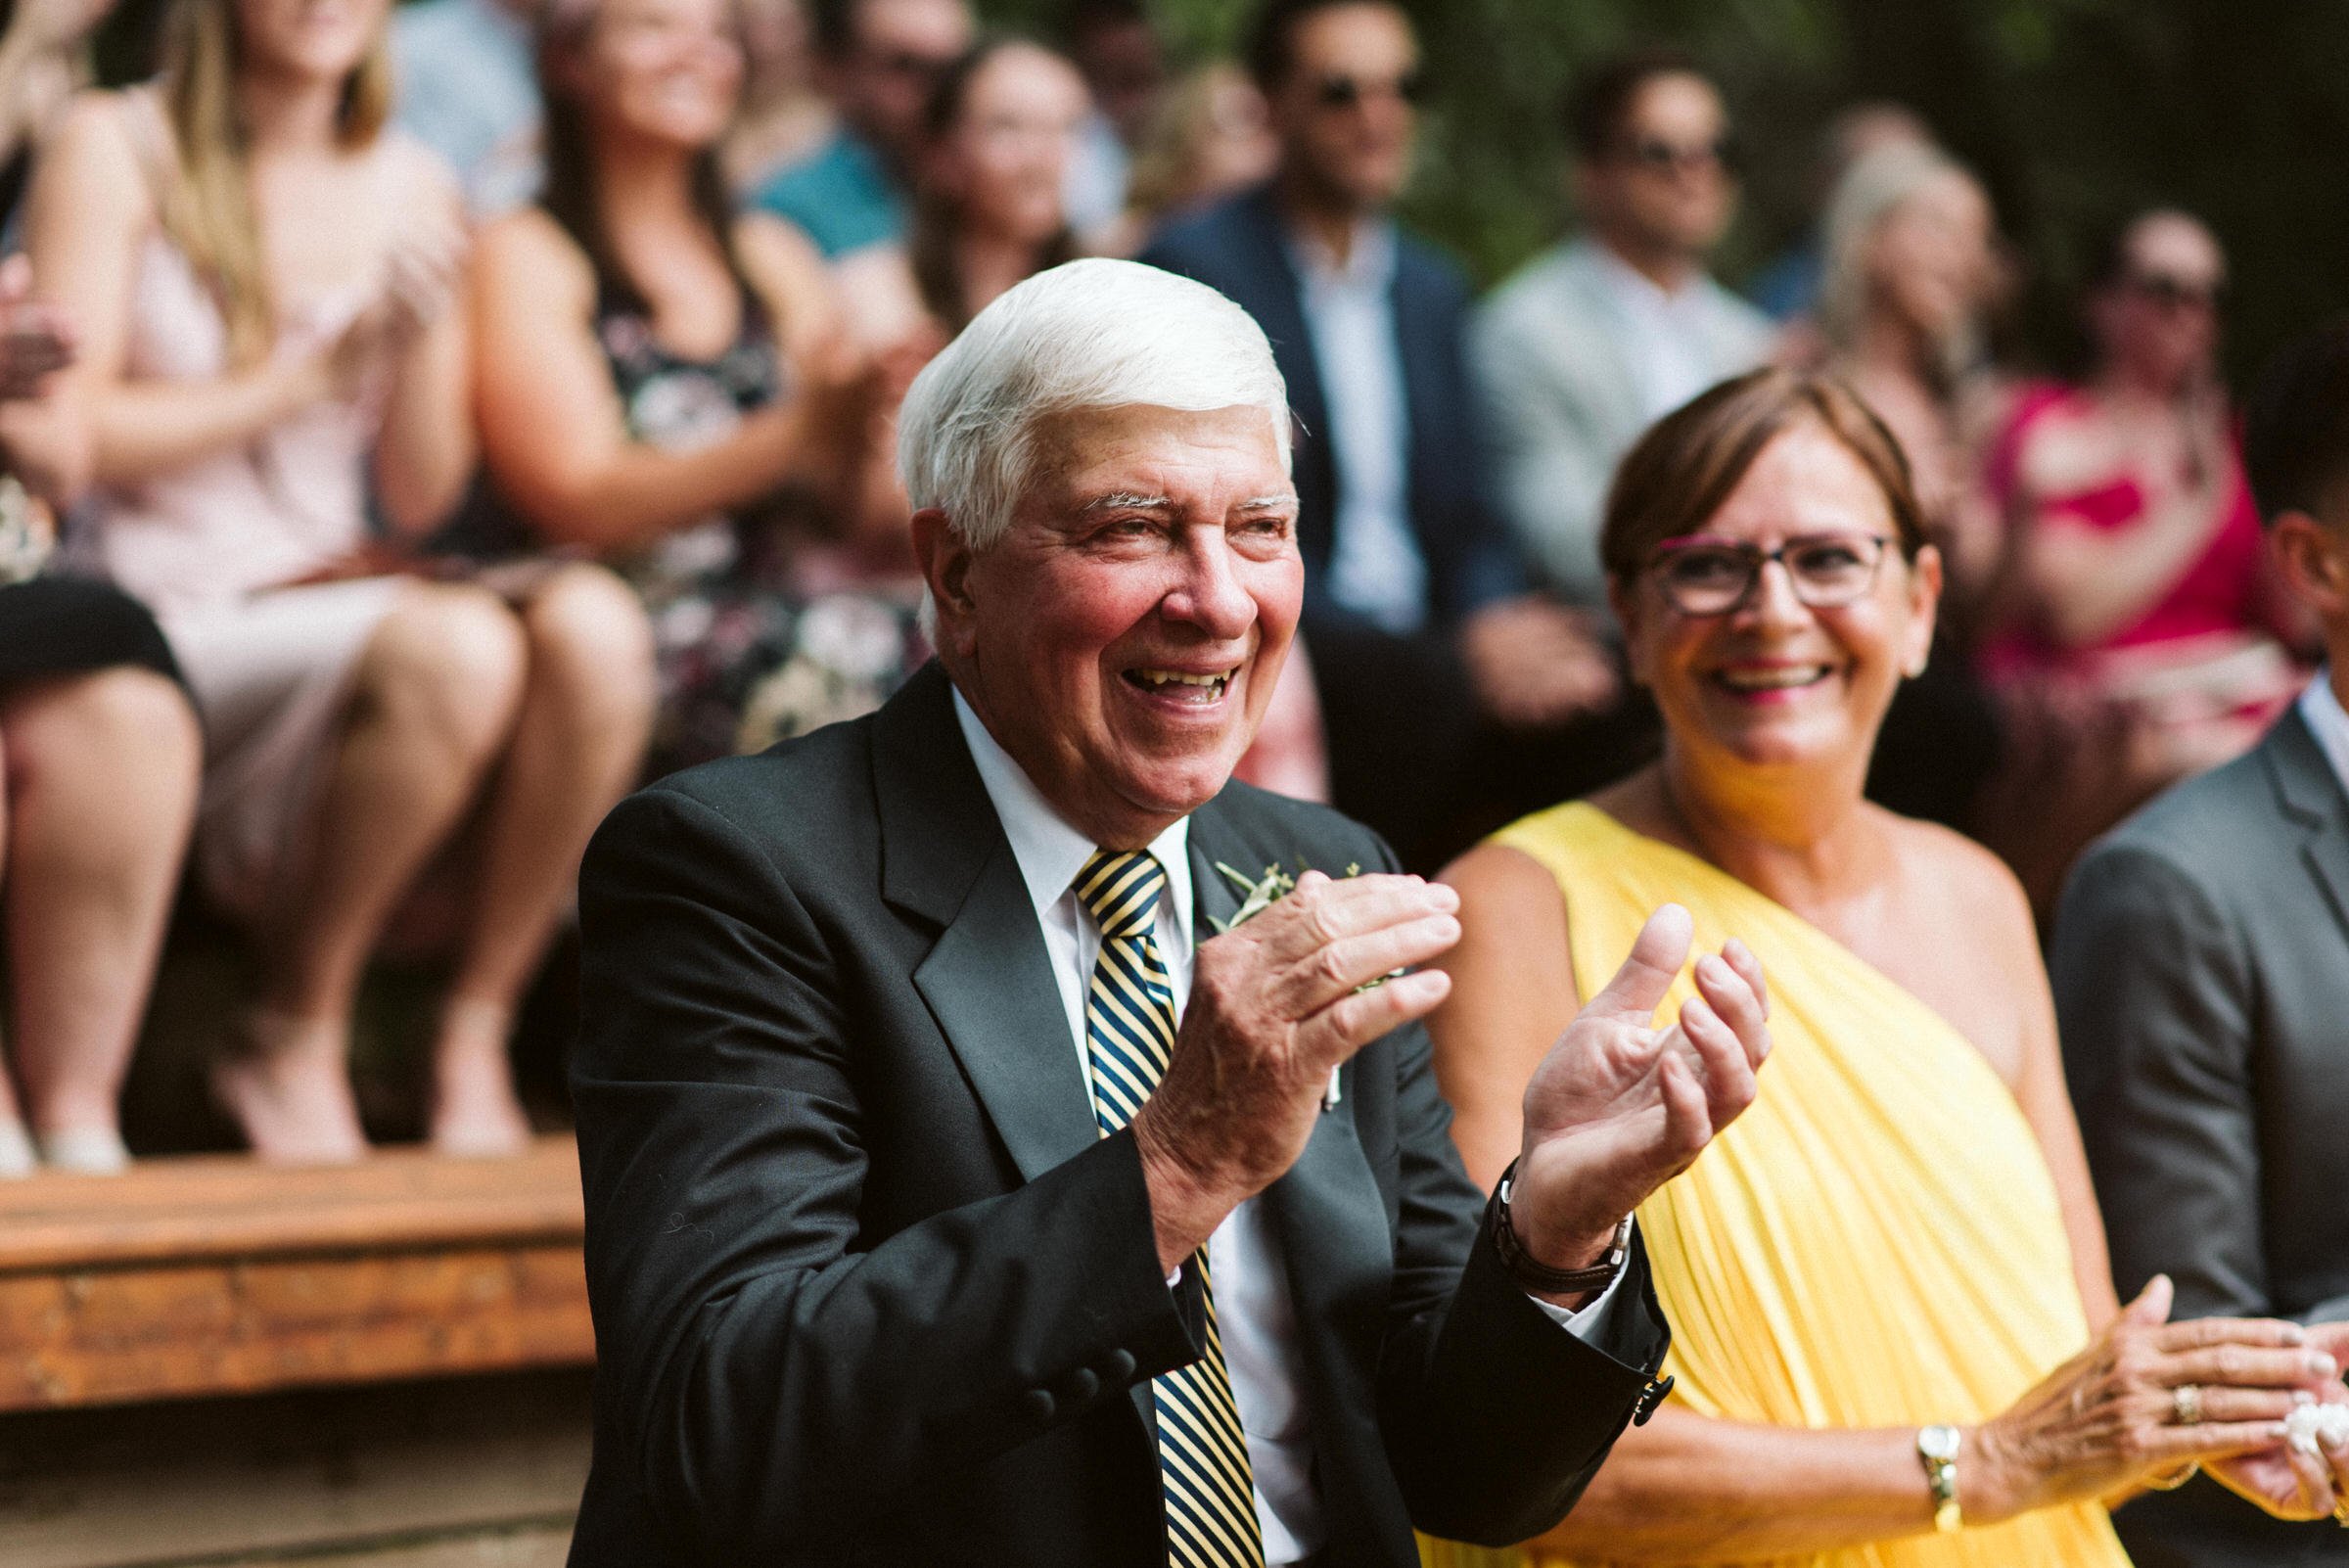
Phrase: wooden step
pixel 214 1275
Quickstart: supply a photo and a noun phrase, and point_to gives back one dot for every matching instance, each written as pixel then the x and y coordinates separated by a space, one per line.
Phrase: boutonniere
pixel 1258 893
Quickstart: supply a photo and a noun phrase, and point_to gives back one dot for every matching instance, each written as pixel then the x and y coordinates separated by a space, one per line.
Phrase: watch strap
pixel 1538 1276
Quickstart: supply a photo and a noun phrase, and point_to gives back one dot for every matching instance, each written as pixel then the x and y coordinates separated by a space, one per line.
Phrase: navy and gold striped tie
pixel 1130 1035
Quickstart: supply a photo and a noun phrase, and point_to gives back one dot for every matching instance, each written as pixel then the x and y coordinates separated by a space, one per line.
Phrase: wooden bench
pixel 206 1357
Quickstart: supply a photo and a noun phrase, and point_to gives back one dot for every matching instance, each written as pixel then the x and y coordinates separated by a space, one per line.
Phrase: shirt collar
pixel 2320 707
pixel 1050 853
pixel 1636 288
pixel 1370 263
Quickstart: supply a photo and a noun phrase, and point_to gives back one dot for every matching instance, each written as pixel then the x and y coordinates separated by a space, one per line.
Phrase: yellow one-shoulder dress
pixel 1877 1242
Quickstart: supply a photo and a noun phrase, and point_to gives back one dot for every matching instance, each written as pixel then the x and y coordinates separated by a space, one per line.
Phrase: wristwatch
pixel 1937 1448
pixel 1538 1276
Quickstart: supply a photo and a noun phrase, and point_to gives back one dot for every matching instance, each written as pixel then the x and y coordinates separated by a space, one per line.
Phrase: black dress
pixel 66 626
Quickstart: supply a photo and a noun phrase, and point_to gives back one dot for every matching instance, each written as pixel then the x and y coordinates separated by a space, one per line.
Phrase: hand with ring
pixel 2144 1401
pixel 2288 1482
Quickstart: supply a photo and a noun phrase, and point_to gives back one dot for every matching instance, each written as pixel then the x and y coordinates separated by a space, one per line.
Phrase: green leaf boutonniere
pixel 1257 894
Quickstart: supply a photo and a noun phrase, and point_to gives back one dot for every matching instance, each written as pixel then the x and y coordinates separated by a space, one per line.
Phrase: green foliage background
pixel 2075 111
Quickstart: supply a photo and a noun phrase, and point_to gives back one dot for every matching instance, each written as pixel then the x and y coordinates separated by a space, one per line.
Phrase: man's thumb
pixel 2152 1303
pixel 1646 976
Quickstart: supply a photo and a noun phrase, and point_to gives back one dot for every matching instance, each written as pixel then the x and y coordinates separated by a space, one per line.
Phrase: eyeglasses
pixel 1701 575
pixel 1335 92
pixel 2173 293
pixel 1655 156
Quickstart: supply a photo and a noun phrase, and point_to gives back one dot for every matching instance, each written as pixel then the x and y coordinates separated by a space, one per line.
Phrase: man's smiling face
pixel 1122 638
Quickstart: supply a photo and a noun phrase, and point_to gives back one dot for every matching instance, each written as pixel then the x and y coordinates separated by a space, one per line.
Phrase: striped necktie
pixel 1129 1033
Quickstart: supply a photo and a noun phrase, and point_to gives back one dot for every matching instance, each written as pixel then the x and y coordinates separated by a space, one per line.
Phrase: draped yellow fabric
pixel 1876 1243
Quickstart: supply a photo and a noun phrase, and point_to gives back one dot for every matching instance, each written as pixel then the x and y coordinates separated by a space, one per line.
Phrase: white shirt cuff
pixel 1584 1323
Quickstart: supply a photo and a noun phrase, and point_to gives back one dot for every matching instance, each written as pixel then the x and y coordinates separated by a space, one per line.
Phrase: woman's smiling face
pixel 1773 682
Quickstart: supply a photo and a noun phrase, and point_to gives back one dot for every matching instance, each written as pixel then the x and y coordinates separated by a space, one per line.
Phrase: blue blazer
pixel 1236 249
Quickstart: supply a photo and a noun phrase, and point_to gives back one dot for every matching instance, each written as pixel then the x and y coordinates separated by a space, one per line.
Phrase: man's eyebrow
pixel 1135 499
pixel 1265 503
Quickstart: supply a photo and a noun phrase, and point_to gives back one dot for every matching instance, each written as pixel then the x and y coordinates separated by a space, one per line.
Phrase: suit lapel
pixel 987 981
pixel 2308 791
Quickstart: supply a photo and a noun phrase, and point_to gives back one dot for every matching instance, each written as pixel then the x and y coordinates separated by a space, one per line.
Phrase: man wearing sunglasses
pixel 876 61
pixel 1597 337
pixel 1436 673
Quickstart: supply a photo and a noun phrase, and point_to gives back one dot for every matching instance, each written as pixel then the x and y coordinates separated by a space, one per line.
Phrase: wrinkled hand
pixel 1535 663
pixel 35 340
pixel 2106 1419
pixel 2288 1484
pixel 1619 1107
pixel 1274 1008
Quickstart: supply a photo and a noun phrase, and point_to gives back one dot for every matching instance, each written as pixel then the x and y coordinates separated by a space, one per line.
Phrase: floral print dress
pixel 745 659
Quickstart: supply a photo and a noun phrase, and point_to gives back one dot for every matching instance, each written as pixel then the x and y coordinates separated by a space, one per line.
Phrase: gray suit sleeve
pixel 1550 460
pixel 2154 996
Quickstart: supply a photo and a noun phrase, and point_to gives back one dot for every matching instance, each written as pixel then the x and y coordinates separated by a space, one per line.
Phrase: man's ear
pixel 944 562
pixel 2315 561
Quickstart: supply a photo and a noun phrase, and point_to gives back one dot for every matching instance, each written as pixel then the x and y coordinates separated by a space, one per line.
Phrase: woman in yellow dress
pixel 1895 1342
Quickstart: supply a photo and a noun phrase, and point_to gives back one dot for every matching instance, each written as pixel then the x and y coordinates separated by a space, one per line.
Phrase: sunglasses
pixel 1700 576
pixel 2173 293
pixel 1335 92
pixel 1656 155
pixel 909 65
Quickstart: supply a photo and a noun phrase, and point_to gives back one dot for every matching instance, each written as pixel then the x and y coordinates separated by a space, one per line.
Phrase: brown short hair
pixel 1681 471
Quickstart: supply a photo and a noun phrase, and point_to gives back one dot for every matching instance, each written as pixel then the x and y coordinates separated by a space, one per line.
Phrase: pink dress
pixel 2219 594
pixel 208 546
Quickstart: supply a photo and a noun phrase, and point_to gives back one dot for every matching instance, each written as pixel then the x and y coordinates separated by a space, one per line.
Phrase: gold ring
pixel 2185 1399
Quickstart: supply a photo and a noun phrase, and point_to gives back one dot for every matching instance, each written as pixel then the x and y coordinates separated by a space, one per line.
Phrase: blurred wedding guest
pixel 1429 651
pixel 1788 287
pixel 1602 335
pixel 1895 1341
pixel 997 137
pixel 2201 967
pixel 465 89
pixel 99 759
pixel 263 278
pixel 1116 48
pixel 1208 137
pixel 783 118
pixel 877 63
pixel 43 61
pixel 2140 574
pixel 661 387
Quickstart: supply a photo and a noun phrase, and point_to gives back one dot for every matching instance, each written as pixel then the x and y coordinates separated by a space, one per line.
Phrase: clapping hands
pixel 1619 1107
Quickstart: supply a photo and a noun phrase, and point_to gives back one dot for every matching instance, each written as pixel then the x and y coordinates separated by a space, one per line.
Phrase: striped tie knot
pixel 1120 888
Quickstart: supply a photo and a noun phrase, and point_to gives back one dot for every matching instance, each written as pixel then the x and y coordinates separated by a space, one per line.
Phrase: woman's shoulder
pixel 107 134
pixel 527 249
pixel 1965 878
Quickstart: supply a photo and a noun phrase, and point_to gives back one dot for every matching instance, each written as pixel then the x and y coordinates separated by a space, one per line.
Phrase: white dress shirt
pixel 1375 567
pixel 1253 1309
pixel 1666 333
pixel 2320 707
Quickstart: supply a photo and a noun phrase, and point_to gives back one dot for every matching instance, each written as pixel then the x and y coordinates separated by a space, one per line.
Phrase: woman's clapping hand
pixel 2113 1417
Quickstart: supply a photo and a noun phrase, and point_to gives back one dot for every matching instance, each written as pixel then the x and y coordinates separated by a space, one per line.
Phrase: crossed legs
pixel 542 711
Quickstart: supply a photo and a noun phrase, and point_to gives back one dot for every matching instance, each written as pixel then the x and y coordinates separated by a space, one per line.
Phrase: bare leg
pixel 101 775
pixel 434 704
pixel 579 742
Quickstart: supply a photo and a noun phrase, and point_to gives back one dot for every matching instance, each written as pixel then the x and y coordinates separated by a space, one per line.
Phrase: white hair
pixel 1091 334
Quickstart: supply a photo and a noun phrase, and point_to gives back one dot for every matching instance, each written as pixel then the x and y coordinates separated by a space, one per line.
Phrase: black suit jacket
pixel 868 1288
pixel 1237 249
pixel 2201 970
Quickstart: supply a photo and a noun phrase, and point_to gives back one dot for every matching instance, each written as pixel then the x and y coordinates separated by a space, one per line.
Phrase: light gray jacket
pixel 2202 971
pixel 1563 400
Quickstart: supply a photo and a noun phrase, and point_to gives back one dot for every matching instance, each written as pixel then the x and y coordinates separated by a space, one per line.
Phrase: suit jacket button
pixel 1117 1368
pixel 1082 1386
pixel 1039 1404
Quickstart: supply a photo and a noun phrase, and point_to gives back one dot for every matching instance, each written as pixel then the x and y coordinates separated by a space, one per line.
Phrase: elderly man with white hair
pixel 981 1165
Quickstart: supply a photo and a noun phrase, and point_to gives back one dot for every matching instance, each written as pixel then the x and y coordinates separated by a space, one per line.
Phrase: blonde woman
pixel 263 278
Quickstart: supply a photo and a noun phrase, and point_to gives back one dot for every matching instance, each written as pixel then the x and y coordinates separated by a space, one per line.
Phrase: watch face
pixel 1938 1443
